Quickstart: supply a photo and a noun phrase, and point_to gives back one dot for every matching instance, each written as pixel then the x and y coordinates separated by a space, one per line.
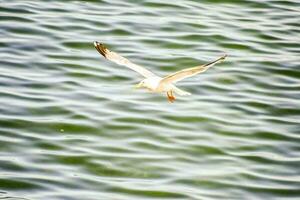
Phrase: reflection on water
pixel 72 127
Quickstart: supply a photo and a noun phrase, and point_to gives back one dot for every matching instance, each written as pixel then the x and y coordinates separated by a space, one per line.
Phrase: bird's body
pixel 153 82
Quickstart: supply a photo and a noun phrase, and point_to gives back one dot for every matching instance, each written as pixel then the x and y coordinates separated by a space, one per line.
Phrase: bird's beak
pixel 139 85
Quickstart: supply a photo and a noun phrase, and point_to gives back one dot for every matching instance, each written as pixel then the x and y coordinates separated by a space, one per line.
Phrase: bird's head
pixel 150 83
pixel 142 84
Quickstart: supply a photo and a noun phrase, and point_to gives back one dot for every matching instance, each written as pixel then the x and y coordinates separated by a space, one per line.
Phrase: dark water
pixel 72 126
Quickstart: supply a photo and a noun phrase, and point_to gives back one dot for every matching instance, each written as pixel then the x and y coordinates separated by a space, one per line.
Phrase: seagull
pixel 153 82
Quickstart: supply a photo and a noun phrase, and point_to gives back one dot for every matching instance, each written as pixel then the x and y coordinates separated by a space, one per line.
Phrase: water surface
pixel 72 126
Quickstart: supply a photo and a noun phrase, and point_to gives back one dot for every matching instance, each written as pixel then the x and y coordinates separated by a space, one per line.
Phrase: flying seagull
pixel 153 82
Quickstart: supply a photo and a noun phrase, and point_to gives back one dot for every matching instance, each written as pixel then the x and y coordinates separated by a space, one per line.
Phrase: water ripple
pixel 72 127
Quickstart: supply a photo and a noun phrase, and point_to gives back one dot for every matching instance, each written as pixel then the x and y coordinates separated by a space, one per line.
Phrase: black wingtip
pixel 221 58
pixel 224 56
pixel 100 48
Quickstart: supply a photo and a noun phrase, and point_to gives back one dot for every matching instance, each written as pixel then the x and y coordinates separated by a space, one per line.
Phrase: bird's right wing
pixel 114 57
pixel 182 74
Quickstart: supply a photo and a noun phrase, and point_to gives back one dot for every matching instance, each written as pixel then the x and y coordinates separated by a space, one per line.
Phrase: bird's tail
pixel 181 92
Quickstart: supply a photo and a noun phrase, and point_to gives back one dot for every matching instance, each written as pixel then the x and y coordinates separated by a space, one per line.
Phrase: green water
pixel 73 127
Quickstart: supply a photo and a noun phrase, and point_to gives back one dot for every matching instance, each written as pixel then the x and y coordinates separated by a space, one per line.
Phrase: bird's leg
pixel 170 96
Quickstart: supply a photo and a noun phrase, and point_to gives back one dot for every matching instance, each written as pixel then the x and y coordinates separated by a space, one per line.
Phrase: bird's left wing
pixel 114 57
pixel 185 73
